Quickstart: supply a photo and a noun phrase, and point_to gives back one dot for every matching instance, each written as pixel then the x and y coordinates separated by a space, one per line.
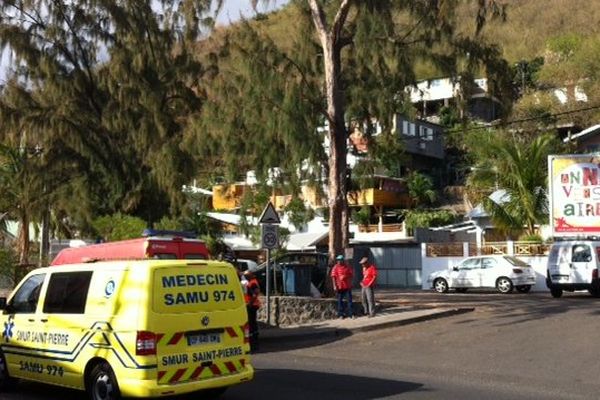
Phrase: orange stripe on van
pixel 231 332
pixel 175 339
pixel 197 372
pixel 201 372
pixel 231 366
pixel 178 375
pixel 161 374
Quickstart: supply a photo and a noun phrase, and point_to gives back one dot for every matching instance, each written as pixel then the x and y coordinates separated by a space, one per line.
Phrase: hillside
pixel 522 36
pixel 531 22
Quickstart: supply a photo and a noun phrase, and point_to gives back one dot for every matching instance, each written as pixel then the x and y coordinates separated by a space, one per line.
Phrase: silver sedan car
pixel 501 272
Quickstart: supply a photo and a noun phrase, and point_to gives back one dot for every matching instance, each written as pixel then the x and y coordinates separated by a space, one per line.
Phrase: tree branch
pixel 319 20
pixel 340 19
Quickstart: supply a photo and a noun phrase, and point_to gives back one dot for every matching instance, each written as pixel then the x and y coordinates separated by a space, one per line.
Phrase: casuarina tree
pixel 345 66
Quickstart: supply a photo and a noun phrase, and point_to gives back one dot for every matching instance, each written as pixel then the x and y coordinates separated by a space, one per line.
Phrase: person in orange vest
pixel 251 296
pixel 342 275
pixel 368 285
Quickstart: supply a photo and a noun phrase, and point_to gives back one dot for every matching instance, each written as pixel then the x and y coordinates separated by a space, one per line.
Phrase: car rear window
pixel 516 262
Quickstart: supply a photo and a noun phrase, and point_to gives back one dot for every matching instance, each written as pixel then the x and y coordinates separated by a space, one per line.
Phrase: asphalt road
pixel 511 347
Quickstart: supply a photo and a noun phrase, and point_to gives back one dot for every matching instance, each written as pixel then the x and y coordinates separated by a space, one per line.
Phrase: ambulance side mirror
pixel 2 303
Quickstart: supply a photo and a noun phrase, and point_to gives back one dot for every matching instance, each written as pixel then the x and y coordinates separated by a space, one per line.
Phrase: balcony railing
pixel 375 228
pixel 492 248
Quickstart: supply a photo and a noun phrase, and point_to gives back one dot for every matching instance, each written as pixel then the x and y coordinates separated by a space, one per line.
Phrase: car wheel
pixel 440 285
pixel 524 288
pixel 6 382
pixel 102 383
pixel 461 289
pixel 504 285
pixel 595 292
pixel 556 293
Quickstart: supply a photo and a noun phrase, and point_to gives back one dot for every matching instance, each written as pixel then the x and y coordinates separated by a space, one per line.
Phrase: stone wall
pixel 290 310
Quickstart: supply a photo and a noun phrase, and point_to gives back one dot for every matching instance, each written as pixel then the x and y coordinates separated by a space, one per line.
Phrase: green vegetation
pixel 118 227
pixel 518 166
pixel 429 218
pixel 115 106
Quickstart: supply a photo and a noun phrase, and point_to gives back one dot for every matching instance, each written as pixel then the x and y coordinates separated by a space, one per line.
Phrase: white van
pixel 573 265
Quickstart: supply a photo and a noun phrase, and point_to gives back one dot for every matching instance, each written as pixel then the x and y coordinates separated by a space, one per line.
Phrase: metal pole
pixel 268 288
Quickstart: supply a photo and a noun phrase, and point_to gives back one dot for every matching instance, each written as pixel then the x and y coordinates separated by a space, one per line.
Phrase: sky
pixel 233 8
pixel 231 11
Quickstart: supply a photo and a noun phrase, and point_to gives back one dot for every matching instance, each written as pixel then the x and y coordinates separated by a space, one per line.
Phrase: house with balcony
pixel 429 96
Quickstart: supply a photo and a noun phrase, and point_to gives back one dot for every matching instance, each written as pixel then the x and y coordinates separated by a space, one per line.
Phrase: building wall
pixel 397 266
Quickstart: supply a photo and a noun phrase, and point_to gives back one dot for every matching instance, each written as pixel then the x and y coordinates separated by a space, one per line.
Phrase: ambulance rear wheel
pixel 6 382
pixel 102 383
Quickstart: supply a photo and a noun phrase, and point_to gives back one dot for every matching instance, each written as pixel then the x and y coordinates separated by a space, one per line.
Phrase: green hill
pixel 531 22
pixel 522 36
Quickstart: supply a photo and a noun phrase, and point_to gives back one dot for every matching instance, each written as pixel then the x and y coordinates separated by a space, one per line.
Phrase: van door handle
pixel 30 320
pixel 44 319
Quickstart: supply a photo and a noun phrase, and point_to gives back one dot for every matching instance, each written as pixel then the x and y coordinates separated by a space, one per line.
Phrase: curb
pixel 307 333
pixel 414 320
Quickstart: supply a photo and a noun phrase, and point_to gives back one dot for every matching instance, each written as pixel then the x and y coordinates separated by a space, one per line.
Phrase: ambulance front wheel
pixel 6 382
pixel 102 384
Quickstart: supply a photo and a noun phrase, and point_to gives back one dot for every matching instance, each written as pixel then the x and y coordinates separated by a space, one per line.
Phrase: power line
pixel 518 121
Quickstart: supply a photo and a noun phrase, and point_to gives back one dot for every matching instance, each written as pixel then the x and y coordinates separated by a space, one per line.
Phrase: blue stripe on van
pixel 29 351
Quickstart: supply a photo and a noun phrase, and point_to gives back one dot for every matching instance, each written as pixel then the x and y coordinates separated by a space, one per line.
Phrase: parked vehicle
pixel 243 265
pixel 573 265
pixel 318 262
pixel 149 328
pixel 157 244
pixel 501 272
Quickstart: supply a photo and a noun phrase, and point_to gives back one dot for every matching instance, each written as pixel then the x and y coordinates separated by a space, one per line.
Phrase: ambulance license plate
pixel 198 339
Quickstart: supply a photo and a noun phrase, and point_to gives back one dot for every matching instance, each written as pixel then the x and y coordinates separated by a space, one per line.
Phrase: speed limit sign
pixel 269 236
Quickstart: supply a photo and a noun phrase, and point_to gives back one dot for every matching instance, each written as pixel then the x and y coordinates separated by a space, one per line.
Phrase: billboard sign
pixel 574 188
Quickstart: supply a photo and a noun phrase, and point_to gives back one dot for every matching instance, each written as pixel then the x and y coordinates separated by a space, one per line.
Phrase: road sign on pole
pixel 269 215
pixel 269 235
pixel 269 240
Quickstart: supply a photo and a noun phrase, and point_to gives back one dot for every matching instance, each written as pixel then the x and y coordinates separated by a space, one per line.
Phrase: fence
pixel 439 256
pixel 471 249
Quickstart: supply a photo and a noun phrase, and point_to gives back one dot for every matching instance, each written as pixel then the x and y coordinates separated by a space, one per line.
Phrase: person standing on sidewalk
pixel 342 275
pixel 367 285
pixel 251 296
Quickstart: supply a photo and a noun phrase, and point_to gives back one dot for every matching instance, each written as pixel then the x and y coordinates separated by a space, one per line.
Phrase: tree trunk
pixel 23 240
pixel 337 134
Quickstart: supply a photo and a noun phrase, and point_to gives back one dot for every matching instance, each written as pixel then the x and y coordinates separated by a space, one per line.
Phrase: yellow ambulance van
pixel 150 328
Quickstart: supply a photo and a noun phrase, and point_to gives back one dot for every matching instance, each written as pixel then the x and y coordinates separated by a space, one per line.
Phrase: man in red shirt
pixel 368 284
pixel 342 275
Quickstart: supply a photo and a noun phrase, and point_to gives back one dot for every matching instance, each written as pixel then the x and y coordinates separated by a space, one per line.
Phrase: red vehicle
pixel 156 244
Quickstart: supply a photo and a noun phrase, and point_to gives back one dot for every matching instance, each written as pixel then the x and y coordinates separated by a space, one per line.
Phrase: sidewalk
pixel 389 317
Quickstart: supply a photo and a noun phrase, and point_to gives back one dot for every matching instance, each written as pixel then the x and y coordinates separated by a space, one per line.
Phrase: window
pixel 67 292
pixel 488 263
pixel 408 128
pixel 581 253
pixel 471 263
pixel 516 262
pixel 26 299
pixel 425 133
